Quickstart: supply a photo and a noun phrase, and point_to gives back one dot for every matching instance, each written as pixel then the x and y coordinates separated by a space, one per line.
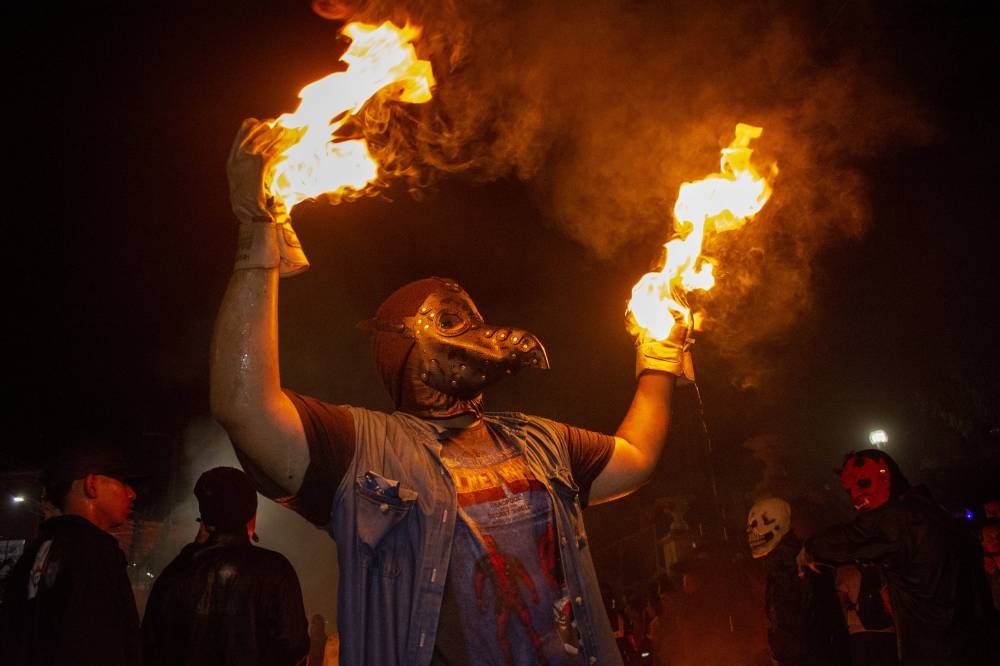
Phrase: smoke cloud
pixel 605 108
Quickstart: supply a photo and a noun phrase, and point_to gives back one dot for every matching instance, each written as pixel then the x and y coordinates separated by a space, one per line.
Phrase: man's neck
pixel 460 422
pixel 89 513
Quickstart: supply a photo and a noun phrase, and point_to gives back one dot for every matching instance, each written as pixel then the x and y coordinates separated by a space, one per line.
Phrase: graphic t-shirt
pixel 504 579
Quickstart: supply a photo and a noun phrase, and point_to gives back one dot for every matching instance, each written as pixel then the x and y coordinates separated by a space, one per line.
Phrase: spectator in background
pixel 990 538
pixel 651 611
pixel 69 599
pixel 616 617
pixel 223 600
pixel 804 626
pixel 637 630
pixel 931 563
pixel 663 624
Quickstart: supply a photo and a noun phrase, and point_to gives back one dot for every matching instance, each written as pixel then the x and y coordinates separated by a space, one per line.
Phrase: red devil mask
pixel 867 481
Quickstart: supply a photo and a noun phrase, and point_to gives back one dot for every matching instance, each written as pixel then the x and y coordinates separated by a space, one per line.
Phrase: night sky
pixel 864 294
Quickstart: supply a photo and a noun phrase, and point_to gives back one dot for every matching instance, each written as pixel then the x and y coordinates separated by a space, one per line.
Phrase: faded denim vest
pixel 393 518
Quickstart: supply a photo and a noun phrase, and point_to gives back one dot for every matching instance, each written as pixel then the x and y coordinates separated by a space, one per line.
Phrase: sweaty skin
pixel 103 500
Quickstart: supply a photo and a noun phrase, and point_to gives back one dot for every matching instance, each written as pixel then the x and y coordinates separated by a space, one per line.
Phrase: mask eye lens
pixel 451 323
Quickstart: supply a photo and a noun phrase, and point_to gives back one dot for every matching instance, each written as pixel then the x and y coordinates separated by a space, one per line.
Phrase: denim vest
pixel 393 518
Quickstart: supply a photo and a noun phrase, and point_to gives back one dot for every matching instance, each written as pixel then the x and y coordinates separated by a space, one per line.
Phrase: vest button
pixel 383 507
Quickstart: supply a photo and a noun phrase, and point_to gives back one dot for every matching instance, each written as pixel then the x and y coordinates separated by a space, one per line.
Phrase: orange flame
pixel 721 202
pixel 379 57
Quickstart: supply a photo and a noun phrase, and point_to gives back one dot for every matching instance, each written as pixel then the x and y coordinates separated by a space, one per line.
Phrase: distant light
pixel 17 499
pixel 968 514
pixel 878 438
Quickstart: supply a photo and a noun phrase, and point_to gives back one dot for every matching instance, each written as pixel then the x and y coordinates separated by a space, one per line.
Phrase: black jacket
pixel 226 603
pixel 804 622
pixel 933 570
pixel 69 600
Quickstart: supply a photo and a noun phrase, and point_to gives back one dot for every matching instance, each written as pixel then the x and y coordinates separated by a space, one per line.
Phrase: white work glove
pixel 672 354
pixel 266 237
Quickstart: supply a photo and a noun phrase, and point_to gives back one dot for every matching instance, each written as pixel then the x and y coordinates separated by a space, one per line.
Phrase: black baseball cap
pixel 227 499
pixel 82 457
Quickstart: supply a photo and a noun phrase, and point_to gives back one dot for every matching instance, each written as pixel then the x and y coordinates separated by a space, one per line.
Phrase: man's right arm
pixel 245 384
pixel 245 390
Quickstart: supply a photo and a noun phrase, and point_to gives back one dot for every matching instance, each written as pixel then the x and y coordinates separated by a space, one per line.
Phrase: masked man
pixel 803 617
pixel 930 562
pixel 411 497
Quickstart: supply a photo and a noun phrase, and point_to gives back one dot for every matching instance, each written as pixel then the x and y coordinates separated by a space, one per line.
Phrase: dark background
pixel 868 285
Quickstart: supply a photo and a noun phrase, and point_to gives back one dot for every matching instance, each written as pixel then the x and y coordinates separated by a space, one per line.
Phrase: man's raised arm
pixel 245 383
pixel 640 438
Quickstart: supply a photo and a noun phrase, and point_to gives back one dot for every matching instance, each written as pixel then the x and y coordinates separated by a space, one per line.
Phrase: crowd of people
pixel 905 582
pixel 902 583
pixel 221 600
pixel 460 531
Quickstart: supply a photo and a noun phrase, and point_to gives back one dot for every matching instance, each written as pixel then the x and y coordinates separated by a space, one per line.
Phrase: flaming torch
pixel 721 202
pixel 380 58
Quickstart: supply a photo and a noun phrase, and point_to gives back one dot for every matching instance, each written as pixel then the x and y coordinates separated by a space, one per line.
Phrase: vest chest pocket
pixel 382 504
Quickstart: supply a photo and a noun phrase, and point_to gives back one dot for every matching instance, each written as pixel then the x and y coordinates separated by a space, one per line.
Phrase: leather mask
pixel 449 347
pixel 459 354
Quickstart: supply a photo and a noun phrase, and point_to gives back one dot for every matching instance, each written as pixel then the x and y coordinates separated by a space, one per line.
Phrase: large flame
pixel 379 57
pixel 717 203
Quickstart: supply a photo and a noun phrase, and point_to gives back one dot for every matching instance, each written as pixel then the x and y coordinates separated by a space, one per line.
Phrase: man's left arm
pixel 642 434
pixel 639 439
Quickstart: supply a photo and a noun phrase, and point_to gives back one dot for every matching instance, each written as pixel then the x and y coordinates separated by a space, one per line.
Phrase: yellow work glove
pixel 672 354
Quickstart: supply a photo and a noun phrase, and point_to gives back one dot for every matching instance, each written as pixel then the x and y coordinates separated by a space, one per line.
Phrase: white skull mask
pixel 769 521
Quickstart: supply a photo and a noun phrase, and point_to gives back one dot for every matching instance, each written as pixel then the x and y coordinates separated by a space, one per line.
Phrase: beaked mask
pixel 457 353
pixel 460 354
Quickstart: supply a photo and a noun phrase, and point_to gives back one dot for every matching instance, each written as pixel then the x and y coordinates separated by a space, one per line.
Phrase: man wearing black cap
pixel 69 599
pixel 223 600
pixel 460 535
